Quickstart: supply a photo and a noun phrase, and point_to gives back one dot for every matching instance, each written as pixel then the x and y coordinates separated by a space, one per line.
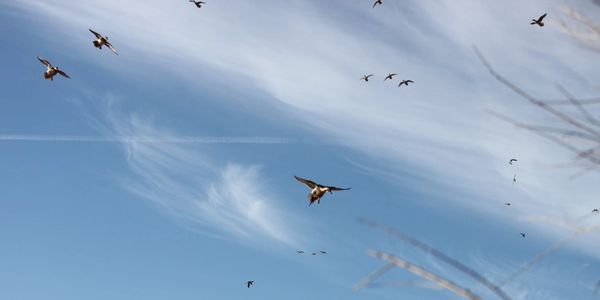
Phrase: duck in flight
pixel 539 21
pixel 366 77
pixel 405 82
pixel 249 283
pixel 511 161
pixel 377 2
pixel 514 178
pixel 523 235
pixel 390 75
pixel 198 3
pixel 507 203
pixel 51 70
pixel 318 191
pixel 322 252
pixel 299 251
pixel 595 211
pixel 103 41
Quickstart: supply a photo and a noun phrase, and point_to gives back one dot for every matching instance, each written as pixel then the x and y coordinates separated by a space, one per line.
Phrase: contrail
pixel 422 272
pixel 440 255
pixel 157 139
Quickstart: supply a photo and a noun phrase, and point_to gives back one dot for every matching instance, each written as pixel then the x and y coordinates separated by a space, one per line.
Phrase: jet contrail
pixel 154 139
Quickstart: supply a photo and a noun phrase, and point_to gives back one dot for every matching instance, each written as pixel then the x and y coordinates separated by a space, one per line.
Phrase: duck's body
pixel 102 41
pixel 318 191
pixel 51 70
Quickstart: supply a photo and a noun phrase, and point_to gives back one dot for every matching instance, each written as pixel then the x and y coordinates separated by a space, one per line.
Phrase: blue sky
pixel 238 98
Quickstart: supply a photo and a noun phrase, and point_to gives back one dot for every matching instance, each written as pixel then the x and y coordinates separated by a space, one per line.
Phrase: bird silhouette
pixel 366 77
pixel 314 253
pixel 322 252
pixel 523 235
pixel 514 178
pixel 249 283
pixel 51 70
pixel 198 3
pixel 595 211
pixel 377 2
pixel 539 21
pixel 511 161
pixel 405 82
pixel 507 203
pixel 299 251
pixel 318 191
pixel 390 75
pixel 102 41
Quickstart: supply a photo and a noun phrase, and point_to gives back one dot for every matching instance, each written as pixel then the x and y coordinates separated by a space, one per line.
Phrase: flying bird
pixel 507 203
pixel 377 2
pixel 523 235
pixel 539 21
pixel 405 82
pixel 390 75
pixel 249 283
pixel 103 41
pixel 198 3
pixel 322 252
pixel 595 211
pixel 51 70
pixel 318 191
pixel 366 77
pixel 511 161
pixel 299 251
pixel 514 178
pixel 314 253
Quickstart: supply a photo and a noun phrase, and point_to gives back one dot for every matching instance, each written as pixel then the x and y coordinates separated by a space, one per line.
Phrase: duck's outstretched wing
pixel 63 74
pixel 333 188
pixel 542 17
pixel 309 183
pixel 110 46
pixel 45 62
pixel 98 36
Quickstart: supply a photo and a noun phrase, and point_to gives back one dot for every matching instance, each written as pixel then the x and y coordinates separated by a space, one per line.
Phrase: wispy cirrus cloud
pixel 229 201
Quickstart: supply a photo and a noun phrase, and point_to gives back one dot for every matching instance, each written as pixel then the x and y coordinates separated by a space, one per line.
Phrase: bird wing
pixel 309 183
pixel 542 17
pixel 410 81
pixel 45 62
pixel 333 188
pixel 63 73
pixel 98 36
pixel 110 46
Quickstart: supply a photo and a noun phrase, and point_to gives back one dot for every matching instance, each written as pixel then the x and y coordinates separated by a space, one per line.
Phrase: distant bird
pixel 514 178
pixel 314 253
pixel 377 2
pixel 390 75
pixel 198 3
pixel 366 77
pixel 511 161
pixel 103 41
pixel 405 82
pixel 523 235
pixel 51 70
pixel 299 251
pixel 322 252
pixel 539 21
pixel 317 190
pixel 595 211
pixel 249 283
pixel 507 203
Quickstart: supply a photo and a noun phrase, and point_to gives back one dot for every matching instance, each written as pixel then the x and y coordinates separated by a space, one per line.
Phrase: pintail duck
pixel 318 191
pixel 102 41
pixel 539 21
pixel 51 70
